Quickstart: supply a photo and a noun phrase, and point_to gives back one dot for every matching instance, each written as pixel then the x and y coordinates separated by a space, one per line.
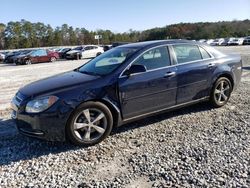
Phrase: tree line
pixel 24 34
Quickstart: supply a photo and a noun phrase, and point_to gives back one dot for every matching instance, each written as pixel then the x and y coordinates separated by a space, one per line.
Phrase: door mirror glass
pixel 135 69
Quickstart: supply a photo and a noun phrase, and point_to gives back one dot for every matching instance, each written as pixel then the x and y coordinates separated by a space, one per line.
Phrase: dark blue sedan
pixel 124 84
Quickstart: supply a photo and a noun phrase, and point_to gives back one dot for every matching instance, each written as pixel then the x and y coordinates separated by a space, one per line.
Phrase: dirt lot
pixel 196 146
pixel 13 77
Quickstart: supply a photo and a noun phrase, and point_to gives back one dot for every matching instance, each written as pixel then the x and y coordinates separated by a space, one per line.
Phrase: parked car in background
pixel 202 40
pixel 9 57
pixel 226 41
pixel 124 84
pixel 2 56
pixel 13 58
pixel 217 42
pixel 115 44
pixel 107 47
pixel 84 52
pixel 36 56
pixel 246 41
pixel 209 41
pixel 62 52
pixel 236 41
pixel 74 53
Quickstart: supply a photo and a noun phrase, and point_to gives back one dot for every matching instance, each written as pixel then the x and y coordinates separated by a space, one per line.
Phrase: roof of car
pixel 156 43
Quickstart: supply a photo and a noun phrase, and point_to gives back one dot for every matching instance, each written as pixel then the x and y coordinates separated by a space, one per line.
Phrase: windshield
pixel 78 48
pixel 25 52
pixel 107 62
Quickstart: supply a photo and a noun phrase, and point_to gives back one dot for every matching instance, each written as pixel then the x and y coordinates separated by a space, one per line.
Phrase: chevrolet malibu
pixel 124 84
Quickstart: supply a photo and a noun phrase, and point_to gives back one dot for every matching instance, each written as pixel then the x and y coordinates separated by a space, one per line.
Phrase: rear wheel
pixel 91 123
pixel 221 92
pixel 52 59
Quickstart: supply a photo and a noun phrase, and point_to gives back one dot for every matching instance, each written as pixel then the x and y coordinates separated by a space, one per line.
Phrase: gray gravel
pixel 197 146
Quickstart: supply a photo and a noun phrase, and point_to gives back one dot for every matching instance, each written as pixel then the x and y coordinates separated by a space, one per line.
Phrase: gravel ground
pixel 197 146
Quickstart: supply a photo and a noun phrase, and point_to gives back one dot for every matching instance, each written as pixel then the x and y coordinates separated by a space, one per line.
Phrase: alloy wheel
pixel 90 124
pixel 222 92
pixel 53 59
pixel 28 62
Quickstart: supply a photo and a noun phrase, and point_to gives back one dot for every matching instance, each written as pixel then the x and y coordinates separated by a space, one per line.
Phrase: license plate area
pixel 13 114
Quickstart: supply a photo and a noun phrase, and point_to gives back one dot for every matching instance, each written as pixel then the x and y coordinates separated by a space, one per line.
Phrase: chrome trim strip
pixel 31 133
pixel 169 108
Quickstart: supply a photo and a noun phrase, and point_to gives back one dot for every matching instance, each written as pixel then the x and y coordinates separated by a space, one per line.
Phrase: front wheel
pixel 99 53
pixel 28 62
pixel 91 123
pixel 221 92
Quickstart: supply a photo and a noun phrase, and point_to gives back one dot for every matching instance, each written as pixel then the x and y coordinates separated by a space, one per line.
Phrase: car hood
pixel 55 83
pixel 73 51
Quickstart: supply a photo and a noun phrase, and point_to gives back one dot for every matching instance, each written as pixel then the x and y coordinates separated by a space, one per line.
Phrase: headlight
pixel 40 104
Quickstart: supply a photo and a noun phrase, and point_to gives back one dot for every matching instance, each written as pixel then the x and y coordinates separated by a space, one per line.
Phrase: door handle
pixel 210 65
pixel 169 74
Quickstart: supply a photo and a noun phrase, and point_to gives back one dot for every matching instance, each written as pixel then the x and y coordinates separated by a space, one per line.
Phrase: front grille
pixel 18 99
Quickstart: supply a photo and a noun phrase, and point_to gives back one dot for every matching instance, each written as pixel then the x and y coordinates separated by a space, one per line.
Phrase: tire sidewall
pixel 212 96
pixel 70 125
pixel 28 62
pixel 52 59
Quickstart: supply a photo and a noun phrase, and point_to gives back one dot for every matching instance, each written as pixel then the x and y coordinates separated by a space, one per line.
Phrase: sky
pixel 122 15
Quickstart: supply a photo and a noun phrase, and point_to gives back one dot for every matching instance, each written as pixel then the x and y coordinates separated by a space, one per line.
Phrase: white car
pixel 226 41
pixel 209 41
pixel 217 42
pixel 236 41
pixel 84 52
pixel 2 57
pixel 202 40
pixel 91 51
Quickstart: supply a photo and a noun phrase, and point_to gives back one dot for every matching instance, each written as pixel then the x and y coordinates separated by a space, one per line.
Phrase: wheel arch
pixel 226 75
pixel 110 105
pixel 114 110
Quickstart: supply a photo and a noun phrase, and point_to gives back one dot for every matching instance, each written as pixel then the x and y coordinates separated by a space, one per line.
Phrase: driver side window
pixel 155 58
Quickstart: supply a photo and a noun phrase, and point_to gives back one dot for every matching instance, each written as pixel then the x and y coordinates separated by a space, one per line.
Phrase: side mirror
pixel 135 69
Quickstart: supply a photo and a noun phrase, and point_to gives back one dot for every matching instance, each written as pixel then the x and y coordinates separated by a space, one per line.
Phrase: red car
pixel 37 56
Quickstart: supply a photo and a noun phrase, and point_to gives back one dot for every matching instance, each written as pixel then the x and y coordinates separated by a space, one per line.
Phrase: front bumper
pixel 71 56
pixel 48 125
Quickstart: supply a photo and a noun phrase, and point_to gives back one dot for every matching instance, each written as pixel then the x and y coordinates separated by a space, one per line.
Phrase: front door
pixel 152 90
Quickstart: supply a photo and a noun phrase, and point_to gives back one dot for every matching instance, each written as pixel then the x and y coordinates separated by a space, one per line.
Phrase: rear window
pixel 204 53
pixel 187 53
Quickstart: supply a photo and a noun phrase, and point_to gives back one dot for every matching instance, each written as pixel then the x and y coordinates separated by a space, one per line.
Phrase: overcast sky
pixel 122 15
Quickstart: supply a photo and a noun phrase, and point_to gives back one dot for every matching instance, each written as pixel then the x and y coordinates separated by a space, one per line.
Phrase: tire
pixel 52 59
pixel 99 53
pixel 28 62
pixel 90 123
pixel 78 56
pixel 221 92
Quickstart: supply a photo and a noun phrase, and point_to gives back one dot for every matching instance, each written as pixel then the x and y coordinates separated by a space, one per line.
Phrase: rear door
pixel 194 71
pixel 94 51
pixel 152 90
